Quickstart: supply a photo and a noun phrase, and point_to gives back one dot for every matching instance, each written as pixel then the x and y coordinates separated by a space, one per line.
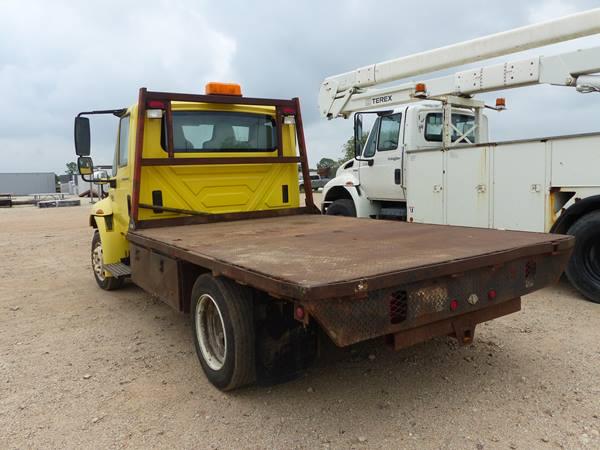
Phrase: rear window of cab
pixel 221 131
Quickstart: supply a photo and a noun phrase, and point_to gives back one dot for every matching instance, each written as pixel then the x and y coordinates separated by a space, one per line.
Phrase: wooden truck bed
pixel 315 257
pixel 361 278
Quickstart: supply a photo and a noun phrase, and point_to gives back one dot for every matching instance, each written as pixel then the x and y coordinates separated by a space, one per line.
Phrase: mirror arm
pixel 371 161
pixel 115 112
pixel 110 181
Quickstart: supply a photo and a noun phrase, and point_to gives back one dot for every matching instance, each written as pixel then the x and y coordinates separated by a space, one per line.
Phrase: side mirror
pixel 358 132
pixel 82 136
pixel 85 165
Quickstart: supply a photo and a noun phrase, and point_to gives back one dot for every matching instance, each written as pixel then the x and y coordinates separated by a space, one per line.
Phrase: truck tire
pixel 223 323
pixel 583 270
pixel 342 207
pixel 108 283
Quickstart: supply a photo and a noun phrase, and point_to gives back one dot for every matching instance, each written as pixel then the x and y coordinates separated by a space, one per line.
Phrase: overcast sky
pixel 61 57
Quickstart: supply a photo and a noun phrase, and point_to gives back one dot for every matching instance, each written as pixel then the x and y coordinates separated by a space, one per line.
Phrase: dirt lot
pixel 80 367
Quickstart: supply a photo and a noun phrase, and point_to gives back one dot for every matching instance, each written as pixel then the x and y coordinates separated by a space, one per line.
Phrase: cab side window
pixel 371 144
pixel 434 125
pixel 389 131
pixel 123 140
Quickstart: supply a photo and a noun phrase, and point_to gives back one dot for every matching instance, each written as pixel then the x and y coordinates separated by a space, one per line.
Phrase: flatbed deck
pixel 312 257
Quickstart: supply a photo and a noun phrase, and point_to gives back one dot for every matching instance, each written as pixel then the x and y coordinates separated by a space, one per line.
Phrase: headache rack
pixel 163 100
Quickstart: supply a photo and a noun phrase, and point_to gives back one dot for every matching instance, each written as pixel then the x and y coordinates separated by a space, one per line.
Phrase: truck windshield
pixel 221 131
pixel 434 124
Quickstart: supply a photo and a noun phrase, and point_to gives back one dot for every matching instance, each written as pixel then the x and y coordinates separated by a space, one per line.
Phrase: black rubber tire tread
pixel 236 304
pixel 342 207
pixel 584 229
pixel 109 283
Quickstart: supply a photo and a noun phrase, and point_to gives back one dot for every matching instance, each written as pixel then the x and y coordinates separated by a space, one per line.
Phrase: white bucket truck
pixel 428 158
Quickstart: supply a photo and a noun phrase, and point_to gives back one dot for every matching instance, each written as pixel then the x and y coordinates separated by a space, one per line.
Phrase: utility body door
pixel 519 176
pixel 424 186
pixel 467 186
pixel 381 178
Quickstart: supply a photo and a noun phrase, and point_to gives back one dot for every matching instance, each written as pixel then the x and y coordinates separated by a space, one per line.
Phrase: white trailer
pixel 428 157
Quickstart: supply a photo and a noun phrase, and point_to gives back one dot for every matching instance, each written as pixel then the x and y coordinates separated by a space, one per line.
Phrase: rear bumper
pixel 461 327
pixel 411 313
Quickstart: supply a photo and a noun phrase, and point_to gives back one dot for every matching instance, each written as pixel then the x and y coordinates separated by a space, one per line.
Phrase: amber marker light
pixel 214 88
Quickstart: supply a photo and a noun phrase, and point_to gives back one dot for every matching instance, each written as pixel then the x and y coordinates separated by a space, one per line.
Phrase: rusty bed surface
pixel 314 256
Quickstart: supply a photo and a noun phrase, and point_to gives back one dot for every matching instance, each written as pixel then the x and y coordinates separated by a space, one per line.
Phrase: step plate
pixel 118 269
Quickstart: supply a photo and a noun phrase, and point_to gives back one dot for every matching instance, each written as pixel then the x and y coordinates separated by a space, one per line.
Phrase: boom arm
pixel 343 94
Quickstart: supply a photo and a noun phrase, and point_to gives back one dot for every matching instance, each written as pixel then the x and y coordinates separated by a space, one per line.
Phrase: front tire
pixel 342 207
pixel 583 270
pixel 104 280
pixel 223 323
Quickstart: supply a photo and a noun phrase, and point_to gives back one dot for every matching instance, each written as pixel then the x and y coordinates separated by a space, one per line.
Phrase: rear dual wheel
pixel 223 324
pixel 583 270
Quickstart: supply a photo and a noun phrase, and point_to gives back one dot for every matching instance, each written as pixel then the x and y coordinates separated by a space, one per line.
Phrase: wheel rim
pixel 210 330
pixel 97 263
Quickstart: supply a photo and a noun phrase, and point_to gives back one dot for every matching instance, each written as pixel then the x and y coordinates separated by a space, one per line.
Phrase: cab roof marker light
pixel 420 90
pixel 214 88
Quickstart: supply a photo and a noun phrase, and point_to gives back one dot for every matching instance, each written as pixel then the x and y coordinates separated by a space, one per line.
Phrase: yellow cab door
pixel 121 193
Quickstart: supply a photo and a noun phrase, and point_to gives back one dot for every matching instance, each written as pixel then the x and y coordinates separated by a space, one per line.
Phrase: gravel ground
pixel 80 367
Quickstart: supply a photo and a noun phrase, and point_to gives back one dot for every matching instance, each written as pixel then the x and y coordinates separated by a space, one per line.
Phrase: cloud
pixel 550 9
pixel 58 58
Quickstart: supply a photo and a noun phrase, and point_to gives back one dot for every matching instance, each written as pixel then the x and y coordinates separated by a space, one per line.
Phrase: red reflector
pixel 453 305
pixel 156 104
pixel 288 111
pixel 492 294
pixel 299 313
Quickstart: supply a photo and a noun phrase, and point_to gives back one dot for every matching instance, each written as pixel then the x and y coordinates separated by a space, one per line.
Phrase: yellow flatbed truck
pixel 203 211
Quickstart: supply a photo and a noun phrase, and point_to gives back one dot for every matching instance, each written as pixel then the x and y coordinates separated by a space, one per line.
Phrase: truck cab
pixel 375 179
pixel 167 178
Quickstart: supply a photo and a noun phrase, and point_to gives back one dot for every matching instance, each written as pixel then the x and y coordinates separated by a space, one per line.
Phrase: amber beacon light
pixel 223 89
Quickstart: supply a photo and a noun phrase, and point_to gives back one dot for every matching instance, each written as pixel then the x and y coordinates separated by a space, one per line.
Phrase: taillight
pixel 453 304
pixel 492 294
pixel 156 104
pixel 299 313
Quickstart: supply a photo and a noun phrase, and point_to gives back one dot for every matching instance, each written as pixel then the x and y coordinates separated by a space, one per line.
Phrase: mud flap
pixel 285 357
